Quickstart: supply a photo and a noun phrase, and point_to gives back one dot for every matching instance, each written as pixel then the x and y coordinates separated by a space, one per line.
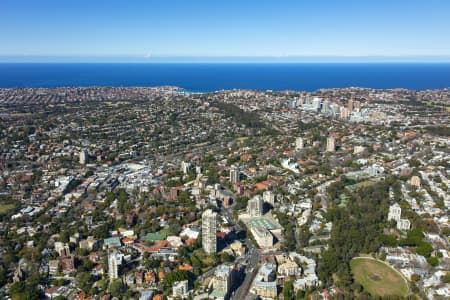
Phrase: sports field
pixel 262 222
pixel 378 278
pixel 5 208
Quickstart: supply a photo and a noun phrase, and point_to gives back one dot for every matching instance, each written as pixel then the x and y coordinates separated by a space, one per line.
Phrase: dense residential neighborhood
pixel 161 193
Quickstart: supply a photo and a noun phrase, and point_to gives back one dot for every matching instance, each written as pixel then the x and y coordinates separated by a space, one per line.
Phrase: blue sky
pixel 232 28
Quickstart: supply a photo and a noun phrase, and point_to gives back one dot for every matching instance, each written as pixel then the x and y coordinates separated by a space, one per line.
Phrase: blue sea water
pixel 204 77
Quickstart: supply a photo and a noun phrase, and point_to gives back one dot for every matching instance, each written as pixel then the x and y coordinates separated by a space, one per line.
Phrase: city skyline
pixel 224 150
pixel 153 31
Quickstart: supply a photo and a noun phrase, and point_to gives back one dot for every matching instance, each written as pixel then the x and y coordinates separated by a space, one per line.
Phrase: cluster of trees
pixel 119 290
pixel 289 232
pixel 23 290
pixel 249 119
pixel 439 130
pixel 357 228
pixel 241 203
pixel 289 293
pixel 123 205
pixel 179 275
pixel 414 238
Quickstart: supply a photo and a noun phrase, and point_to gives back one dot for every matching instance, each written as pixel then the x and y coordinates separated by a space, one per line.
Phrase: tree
pixel 414 163
pixel 225 257
pixel 178 275
pixel 17 287
pixel 58 282
pixel 102 231
pixel 2 275
pixel 117 288
pixel 288 290
pixel 304 236
pixel 307 293
pixel 81 252
pixel 109 196
pixel 424 249
pixel 122 201
pixel 357 228
pixel 20 290
pixel 84 281
pixel 415 277
pixel 433 261
pixel 446 278
pixel 388 240
pixel 196 262
pixel 289 241
pixel 174 228
pixel 345 278
pixel 152 263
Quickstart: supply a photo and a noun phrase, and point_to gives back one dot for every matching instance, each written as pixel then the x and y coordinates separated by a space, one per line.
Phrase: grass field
pixel 5 208
pixel 377 278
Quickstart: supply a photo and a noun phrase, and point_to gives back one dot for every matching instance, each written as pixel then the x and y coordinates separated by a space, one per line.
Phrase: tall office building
pixel 185 167
pixel 336 109
pixel 180 289
pixel 269 197
pixel 350 105
pixel 316 103
pixel 299 143
pixel 344 113
pixel 308 100
pixel 198 169
pixel 255 206
pixel 209 228
pixel 234 174
pixel 84 157
pixel 325 106
pixel 292 103
pixel 331 147
pixel 221 281
pixel 113 266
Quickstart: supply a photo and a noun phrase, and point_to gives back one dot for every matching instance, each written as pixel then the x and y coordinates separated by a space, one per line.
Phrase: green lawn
pixel 5 208
pixel 378 278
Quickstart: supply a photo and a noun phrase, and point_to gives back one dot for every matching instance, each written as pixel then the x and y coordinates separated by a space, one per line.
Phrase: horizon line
pixel 118 58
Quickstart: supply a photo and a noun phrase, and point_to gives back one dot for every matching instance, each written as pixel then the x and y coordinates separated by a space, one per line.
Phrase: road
pixel 251 257
pixel 208 273
pixel 252 269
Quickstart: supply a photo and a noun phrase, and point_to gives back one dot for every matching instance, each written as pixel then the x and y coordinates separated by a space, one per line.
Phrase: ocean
pixel 206 77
